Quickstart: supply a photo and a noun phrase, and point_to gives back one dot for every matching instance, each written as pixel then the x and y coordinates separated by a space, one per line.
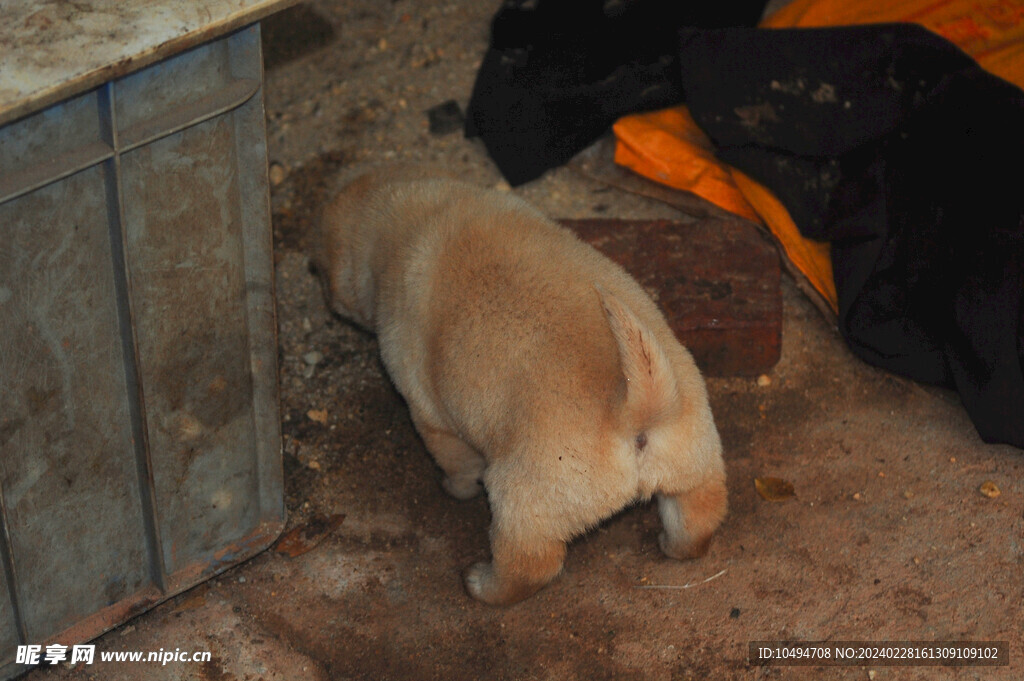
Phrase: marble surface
pixel 53 49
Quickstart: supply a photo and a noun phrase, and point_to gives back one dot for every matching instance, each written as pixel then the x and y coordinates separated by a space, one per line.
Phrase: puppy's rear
pixel 530 363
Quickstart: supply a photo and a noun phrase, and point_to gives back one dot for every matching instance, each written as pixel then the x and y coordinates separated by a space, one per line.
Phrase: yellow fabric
pixel 812 258
pixel 667 146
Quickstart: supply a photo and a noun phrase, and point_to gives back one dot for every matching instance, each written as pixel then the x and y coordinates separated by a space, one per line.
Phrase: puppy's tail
pixel 651 387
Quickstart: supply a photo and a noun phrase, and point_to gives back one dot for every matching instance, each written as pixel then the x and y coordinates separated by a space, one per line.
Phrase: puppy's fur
pixel 530 363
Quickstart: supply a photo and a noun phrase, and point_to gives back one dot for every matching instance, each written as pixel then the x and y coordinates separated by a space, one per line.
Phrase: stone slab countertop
pixel 54 49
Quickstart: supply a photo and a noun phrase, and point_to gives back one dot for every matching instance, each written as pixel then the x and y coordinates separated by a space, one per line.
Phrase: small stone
pixel 313 358
pixel 318 415
pixel 314 465
pixel 764 380
pixel 241 580
pixel 277 174
pixel 502 186
pixel 856 496
pixel 445 118
pixel 871 672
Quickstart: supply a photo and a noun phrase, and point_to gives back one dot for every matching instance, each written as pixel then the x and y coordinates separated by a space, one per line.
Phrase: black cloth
pixel 885 140
pixel 560 72
pixel 894 146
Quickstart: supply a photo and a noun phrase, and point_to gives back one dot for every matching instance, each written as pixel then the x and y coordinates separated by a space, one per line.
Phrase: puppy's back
pixel 515 314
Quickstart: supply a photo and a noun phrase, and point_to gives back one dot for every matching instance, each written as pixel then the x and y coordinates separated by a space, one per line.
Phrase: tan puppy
pixel 530 362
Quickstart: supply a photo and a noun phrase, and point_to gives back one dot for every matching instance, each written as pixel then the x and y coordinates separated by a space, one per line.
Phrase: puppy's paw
pixel 480 581
pixel 691 518
pixel 683 550
pixel 462 487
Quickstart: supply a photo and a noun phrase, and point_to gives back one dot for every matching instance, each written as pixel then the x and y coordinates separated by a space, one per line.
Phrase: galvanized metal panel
pixel 10 633
pixel 180 81
pixel 183 238
pixel 257 244
pixel 42 138
pixel 67 462
pixel 54 143
pixel 174 93
pixel 139 429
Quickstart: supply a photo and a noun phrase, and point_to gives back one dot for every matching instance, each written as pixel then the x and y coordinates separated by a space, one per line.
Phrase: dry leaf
pixel 773 489
pixel 989 489
pixel 192 602
pixel 303 538
pixel 318 415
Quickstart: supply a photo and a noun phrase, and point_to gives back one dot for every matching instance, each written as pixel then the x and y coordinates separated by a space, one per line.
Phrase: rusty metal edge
pixel 116 614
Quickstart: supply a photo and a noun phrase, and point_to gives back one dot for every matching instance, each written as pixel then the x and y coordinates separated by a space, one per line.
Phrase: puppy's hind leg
pixel 527 549
pixel 463 466
pixel 518 570
pixel 690 518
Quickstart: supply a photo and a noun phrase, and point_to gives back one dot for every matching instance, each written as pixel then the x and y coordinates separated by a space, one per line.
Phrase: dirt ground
pixel 887 537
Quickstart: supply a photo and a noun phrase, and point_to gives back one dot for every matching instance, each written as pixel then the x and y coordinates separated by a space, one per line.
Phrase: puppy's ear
pixel 650 382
